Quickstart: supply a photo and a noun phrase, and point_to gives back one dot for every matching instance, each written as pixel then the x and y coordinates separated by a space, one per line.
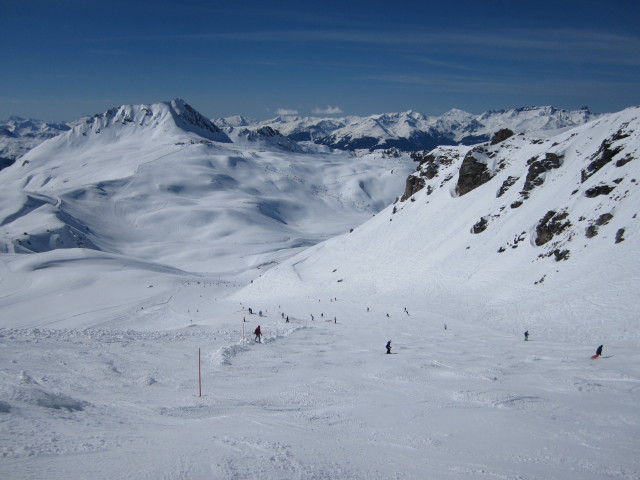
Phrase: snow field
pixel 317 399
pixel 98 348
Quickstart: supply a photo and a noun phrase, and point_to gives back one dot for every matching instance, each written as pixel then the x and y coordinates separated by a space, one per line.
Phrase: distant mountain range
pixel 19 135
pixel 409 131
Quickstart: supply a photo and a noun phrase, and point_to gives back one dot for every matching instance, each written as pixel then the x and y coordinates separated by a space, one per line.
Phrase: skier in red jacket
pixel 258 333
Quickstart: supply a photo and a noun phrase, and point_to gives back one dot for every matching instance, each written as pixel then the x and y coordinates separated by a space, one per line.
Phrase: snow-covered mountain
pixel 409 131
pixel 140 249
pixel 19 135
pixel 161 183
pixel 538 225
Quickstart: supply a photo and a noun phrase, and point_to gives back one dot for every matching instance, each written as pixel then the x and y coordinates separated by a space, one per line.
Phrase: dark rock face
pixel 598 190
pixel 605 153
pixel 268 132
pixel 592 230
pixel 552 224
pixel 428 168
pixel 537 167
pixel 508 183
pixel 480 226
pixel 501 135
pixel 561 254
pixel 414 184
pixel 624 161
pixel 428 165
pixel 604 219
pixel 620 235
pixel 472 173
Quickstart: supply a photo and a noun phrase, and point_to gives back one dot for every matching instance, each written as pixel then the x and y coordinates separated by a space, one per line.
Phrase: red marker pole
pixel 199 376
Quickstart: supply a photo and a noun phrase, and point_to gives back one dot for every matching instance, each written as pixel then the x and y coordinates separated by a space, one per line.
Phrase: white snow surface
pixel 143 237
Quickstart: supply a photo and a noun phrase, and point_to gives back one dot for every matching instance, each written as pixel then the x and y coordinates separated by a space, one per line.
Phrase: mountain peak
pixel 159 118
pixel 192 120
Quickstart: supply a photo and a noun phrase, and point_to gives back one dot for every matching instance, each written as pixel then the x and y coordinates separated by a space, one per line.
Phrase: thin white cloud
pixel 286 111
pixel 327 111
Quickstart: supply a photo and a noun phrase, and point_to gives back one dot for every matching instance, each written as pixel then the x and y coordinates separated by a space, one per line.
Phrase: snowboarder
pixel 250 311
pixel 389 347
pixel 258 333
pixel 598 352
pixel 526 336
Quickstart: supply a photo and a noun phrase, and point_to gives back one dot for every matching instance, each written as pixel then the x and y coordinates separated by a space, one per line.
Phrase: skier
pixel 598 352
pixel 526 336
pixel 258 333
pixel 287 319
pixel 389 347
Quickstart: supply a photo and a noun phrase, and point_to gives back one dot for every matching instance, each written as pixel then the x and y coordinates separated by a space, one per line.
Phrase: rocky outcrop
pixel 552 224
pixel 508 183
pixel 414 185
pixel 598 190
pixel 606 153
pixel 501 136
pixel 592 230
pixel 473 172
pixel 537 169
pixel 480 226
pixel 536 175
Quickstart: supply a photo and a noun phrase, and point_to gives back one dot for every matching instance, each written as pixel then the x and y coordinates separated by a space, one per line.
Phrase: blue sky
pixel 64 59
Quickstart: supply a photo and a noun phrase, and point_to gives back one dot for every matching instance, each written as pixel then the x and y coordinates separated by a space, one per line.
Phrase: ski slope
pixel 99 343
pixel 317 399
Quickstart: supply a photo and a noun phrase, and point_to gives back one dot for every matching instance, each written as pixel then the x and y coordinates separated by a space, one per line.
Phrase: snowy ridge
pixel 524 217
pixel 161 118
pixel 414 131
